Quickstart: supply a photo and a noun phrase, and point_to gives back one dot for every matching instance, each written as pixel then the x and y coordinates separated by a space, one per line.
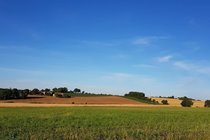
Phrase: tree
pixel 136 94
pixel 165 102
pixel 185 97
pixel 24 93
pixel 14 93
pixel 47 91
pixel 62 90
pixel 35 91
pixel 187 103
pixel 77 90
pixel 55 90
pixel 172 97
pixel 207 103
pixel 5 94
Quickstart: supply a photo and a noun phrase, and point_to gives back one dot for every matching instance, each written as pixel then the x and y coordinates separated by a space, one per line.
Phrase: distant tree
pixel 5 94
pixel 14 93
pixel 136 94
pixel 153 100
pixel 77 90
pixel 207 103
pixel 185 97
pixel 55 90
pixel 165 102
pixel 62 90
pixel 172 97
pixel 35 91
pixel 24 93
pixel 47 92
pixel 71 91
pixel 187 103
pixel 62 95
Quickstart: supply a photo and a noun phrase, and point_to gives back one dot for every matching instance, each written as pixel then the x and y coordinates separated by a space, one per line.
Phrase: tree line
pixel 13 93
pixel 140 96
pixel 186 101
pixel 61 92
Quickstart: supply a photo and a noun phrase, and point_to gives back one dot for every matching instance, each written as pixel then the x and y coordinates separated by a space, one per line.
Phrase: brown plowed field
pixel 74 100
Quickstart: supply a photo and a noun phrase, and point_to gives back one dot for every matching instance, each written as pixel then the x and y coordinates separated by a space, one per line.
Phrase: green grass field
pixel 105 123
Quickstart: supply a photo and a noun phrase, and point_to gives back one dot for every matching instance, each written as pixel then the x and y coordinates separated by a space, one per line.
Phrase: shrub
pixel 62 95
pixel 207 103
pixel 66 95
pixel 165 102
pixel 187 103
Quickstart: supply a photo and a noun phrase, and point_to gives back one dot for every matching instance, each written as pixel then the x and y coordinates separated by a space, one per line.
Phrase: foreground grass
pixel 104 123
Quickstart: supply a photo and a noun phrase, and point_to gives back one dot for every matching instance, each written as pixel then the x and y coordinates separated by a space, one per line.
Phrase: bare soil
pixel 48 101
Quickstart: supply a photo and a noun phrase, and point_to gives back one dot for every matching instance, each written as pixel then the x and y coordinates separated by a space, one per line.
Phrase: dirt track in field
pixel 99 100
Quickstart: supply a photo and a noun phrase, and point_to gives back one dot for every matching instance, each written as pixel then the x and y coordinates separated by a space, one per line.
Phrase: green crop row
pixel 105 123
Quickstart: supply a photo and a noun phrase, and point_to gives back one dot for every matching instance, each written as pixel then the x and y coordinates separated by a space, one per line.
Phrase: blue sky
pixel 106 46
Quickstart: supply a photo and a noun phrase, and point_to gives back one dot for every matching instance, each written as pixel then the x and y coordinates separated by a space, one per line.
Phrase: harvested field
pixel 176 102
pixel 74 100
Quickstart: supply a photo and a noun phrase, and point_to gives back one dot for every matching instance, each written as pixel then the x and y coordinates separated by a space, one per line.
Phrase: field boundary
pixel 76 105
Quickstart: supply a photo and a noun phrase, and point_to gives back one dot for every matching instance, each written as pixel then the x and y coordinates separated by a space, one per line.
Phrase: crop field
pixel 75 100
pixel 177 102
pixel 105 123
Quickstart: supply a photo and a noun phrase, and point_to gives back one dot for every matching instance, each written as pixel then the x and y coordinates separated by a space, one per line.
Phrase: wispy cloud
pixel 184 66
pixel 16 48
pixel 166 58
pixel 120 56
pixel 147 41
pixel 144 66
pixel 192 67
pixel 192 46
pixel 126 77
pixel 192 22
pixel 21 70
pixel 142 41
pixel 98 43
pixel 118 76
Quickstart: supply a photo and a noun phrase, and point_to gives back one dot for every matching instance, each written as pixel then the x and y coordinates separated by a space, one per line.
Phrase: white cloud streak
pixel 144 66
pixel 166 58
pixel 21 71
pixel 147 41
pixel 192 67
